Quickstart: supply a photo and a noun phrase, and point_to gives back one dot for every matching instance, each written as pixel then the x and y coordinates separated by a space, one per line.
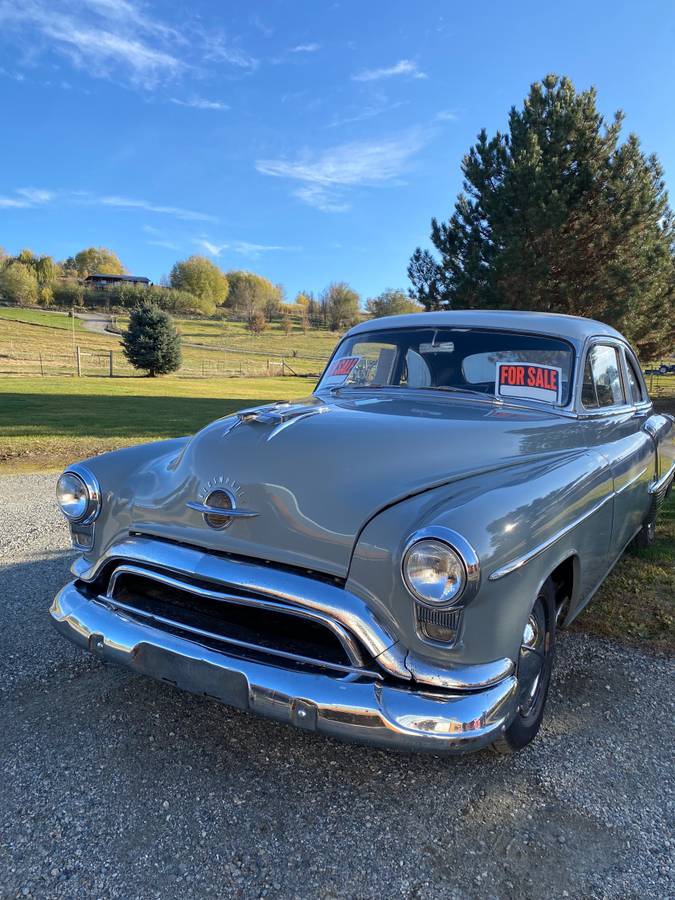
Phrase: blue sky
pixel 307 141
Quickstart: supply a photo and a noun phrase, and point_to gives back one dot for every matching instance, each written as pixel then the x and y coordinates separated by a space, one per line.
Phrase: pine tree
pixel 558 215
pixel 151 341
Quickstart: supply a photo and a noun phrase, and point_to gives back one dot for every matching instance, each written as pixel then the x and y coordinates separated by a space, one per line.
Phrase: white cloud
pixel 13 203
pixel 218 48
pixel 35 195
pixel 446 115
pixel 168 245
pixel 26 198
pixel 213 249
pixel 105 37
pixel 306 48
pixel 247 249
pixel 326 177
pixel 176 211
pixel 200 103
pixel 370 112
pixel 243 248
pixel 403 67
pixel 118 40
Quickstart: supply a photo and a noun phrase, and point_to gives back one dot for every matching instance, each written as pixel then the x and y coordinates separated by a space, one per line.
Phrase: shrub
pixel 257 322
pixel 18 284
pixel 68 293
pixel 152 342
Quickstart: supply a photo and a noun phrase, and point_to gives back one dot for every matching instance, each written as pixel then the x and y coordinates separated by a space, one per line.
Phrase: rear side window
pixel 602 380
pixel 635 388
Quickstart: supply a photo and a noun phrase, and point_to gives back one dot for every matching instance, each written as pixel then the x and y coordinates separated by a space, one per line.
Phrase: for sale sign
pixel 531 381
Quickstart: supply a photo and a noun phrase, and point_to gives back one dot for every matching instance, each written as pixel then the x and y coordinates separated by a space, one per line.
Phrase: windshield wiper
pixel 458 390
pixel 361 387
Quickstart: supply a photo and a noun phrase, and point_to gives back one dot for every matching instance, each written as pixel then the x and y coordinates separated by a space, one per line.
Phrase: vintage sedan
pixel 389 560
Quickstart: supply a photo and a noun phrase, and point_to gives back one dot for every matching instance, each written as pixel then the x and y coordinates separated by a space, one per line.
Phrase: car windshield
pixel 500 364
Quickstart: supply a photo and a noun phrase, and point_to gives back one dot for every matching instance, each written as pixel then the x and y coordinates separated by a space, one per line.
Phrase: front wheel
pixel 535 664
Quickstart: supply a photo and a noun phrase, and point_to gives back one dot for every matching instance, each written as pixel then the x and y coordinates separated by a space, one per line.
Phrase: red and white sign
pixel 340 370
pixel 531 381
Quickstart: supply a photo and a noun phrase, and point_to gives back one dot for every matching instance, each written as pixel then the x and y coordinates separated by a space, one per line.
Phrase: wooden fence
pixel 111 363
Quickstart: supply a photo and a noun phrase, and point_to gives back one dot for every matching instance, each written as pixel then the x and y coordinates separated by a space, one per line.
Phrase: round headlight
pixel 433 572
pixel 72 496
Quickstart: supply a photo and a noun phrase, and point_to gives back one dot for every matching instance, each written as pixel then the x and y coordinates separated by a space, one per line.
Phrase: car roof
pixel 573 328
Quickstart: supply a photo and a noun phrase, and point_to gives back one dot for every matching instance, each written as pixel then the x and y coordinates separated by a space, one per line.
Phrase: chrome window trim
pixel 615 408
pixel 629 359
pixel 461 547
pixel 520 561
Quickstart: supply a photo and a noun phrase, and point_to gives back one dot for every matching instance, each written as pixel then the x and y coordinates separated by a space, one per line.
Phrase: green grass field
pixel 636 603
pixel 38 317
pixel 33 341
pixel 46 423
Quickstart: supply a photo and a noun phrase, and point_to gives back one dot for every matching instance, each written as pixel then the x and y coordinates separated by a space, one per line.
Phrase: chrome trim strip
pixel 657 486
pixel 364 710
pixel 234 513
pixel 631 482
pixel 349 645
pixel 520 561
pixel 235 642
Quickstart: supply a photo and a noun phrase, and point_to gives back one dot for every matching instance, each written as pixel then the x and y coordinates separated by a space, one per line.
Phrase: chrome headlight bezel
pixel 461 549
pixel 92 492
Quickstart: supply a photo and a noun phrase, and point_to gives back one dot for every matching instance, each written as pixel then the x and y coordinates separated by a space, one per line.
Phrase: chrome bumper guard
pixel 351 707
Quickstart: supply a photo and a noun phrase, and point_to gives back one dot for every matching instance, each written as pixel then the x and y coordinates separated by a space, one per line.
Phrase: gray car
pixel 387 561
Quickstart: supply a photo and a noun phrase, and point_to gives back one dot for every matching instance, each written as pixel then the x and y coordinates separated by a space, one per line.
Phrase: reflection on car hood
pixel 315 472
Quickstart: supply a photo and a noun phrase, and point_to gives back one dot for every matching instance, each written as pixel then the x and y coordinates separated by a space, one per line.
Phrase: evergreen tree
pixel 558 215
pixel 152 342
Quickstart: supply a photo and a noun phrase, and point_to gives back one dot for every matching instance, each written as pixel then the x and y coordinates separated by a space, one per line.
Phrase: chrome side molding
pixel 520 561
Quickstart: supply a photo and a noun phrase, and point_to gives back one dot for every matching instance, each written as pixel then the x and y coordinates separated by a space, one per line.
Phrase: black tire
pixel 528 719
pixel 646 535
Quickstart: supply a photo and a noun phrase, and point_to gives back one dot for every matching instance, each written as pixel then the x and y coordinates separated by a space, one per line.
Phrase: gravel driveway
pixel 116 786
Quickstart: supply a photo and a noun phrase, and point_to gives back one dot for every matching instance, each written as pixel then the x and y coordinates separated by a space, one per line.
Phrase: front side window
pixel 602 385
pixel 494 363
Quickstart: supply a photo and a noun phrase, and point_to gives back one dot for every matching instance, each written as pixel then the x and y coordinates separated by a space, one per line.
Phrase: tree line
pixel 195 286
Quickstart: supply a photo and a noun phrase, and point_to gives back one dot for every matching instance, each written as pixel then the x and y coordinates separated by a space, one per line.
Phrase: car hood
pixel 316 472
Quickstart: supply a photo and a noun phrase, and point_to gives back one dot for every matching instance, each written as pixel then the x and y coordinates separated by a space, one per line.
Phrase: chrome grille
pixel 235 621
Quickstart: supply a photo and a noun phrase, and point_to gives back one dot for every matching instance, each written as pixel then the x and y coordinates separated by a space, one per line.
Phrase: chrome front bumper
pixel 406 717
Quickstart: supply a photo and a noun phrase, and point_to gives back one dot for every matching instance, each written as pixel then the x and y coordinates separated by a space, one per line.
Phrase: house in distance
pixel 100 282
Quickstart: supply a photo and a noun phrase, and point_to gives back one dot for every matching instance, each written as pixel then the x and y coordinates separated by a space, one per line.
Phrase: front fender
pixel 119 474
pixel 503 515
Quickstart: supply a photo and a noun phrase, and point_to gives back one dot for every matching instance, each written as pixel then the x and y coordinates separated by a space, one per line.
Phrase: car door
pixel 610 396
